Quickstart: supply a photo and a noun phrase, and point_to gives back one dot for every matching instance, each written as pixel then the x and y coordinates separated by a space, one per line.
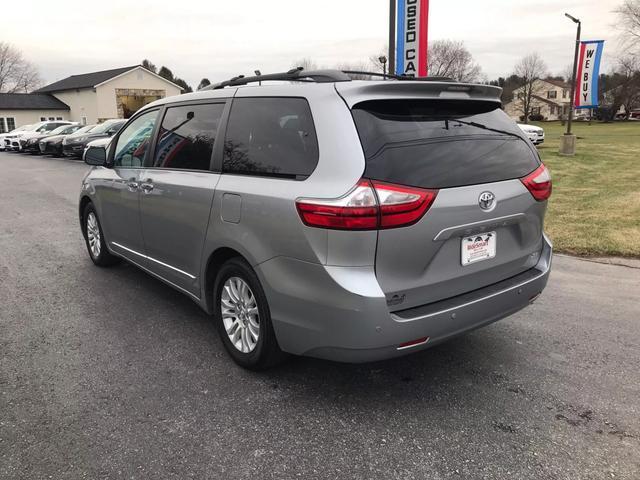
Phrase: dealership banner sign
pixel 411 37
pixel 588 72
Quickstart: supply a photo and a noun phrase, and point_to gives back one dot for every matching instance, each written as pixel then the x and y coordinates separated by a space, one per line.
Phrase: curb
pixel 617 261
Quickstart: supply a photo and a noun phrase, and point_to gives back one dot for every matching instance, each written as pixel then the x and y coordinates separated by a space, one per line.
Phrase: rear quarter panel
pixel 269 225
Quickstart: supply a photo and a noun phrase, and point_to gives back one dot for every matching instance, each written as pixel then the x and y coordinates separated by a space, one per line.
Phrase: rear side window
pixel 271 137
pixel 187 135
pixel 440 144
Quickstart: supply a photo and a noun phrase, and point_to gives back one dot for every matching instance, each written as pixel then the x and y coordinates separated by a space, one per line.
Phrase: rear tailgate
pixel 471 152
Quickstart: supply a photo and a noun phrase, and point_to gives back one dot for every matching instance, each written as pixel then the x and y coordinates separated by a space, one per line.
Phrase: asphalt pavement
pixel 108 373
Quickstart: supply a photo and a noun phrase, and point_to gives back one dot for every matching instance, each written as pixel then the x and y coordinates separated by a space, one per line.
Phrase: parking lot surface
pixel 108 373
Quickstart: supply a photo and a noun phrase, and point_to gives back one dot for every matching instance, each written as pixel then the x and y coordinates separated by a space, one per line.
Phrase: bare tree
pixel 306 63
pixel 530 69
pixel 16 73
pixel 624 85
pixel 375 62
pixel 450 58
pixel 356 67
pixel 567 72
pixel 629 24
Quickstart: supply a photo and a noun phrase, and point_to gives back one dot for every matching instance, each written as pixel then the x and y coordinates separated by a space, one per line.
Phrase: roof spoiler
pixel 356 92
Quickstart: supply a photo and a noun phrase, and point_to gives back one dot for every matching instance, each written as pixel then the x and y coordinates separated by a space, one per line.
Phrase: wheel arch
pixel 216 259
pixel 84 201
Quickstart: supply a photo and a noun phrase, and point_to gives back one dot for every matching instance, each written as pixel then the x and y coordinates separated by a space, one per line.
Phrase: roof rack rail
pixel 295 75
pixel 399 77
pixel 298 74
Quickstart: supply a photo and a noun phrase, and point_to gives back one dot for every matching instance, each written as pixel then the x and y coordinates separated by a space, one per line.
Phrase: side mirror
pixel 95 156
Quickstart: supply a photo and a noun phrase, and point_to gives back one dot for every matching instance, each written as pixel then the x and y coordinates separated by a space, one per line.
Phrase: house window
pixel 51 119
pixel 43 119
pixel 520 96
pixel 59 118
pixel 3 128
pixel 11 124
pixel 552 94
pixel 564 94
pixel 84 120
pixel 552 109
pixel 535 110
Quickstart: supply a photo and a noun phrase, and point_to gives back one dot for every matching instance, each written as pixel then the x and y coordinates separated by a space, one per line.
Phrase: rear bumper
pixel 340 313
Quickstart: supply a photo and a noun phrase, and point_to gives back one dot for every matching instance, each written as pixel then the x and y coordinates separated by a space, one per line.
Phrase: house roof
pixel 30 101
pixel 558 83
pixel 546 100
pixel 85 80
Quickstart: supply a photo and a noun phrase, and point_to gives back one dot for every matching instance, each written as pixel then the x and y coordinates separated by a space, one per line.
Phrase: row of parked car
pixel 58 138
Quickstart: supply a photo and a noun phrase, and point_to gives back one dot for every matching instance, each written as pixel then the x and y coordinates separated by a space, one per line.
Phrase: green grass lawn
pixel 595 206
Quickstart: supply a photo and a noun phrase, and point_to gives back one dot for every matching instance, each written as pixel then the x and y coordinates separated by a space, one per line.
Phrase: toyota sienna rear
pixel 346 220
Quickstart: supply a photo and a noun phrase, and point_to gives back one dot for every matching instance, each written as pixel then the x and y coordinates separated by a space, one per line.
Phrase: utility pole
pixel 568 141
pixel 392 37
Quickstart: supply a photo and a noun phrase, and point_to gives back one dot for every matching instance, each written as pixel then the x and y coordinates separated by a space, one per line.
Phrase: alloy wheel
pixel 240 314
pixel 93 234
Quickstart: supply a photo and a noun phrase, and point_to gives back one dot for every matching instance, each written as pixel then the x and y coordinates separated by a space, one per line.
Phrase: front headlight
pixel 81 139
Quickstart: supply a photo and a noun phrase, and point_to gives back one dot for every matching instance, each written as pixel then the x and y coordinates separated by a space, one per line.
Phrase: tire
pixel 94 238
pixel 245 350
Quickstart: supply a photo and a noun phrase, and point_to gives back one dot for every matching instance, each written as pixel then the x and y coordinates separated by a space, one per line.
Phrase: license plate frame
pixel 477 248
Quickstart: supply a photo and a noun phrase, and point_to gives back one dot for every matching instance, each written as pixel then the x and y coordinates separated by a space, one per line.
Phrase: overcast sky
pixel 218 39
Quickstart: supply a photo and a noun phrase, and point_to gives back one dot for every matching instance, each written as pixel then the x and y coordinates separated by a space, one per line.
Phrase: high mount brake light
pixel 370 205
pixel 538 183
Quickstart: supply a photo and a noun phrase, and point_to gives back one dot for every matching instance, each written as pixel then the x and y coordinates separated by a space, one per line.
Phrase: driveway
pixel 108 373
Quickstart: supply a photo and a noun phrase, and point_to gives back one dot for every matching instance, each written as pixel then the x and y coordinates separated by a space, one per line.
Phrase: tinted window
pixel 134 140
pixel 440 144
pixel 186 136
pixel 271 136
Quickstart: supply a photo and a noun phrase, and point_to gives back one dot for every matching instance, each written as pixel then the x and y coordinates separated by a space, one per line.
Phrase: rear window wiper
pixel 484 127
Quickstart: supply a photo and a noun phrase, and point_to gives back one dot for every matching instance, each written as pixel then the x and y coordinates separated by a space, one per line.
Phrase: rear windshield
pixel 441 144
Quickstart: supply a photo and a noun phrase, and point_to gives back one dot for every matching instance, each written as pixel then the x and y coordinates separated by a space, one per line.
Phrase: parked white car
pixel 12 134
pixel 45 128
pixel 535 134
pixel 16 141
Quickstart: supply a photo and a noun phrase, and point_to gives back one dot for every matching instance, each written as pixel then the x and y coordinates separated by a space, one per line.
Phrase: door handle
pixel 146 187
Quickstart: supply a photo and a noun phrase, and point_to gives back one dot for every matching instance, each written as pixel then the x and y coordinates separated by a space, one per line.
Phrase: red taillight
pixel 368 206
pixel 401 206
pixel 538 183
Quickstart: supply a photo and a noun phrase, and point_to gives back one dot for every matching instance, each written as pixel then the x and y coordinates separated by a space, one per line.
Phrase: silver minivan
pixel 323 216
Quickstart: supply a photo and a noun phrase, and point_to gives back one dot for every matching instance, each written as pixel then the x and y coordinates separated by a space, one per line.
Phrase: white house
pixel 550 99
pixel 87 98
pixel 17 109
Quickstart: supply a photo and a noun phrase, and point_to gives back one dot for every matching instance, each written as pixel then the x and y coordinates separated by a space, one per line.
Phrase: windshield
pixel 441 144
pixel 103 127
pixel 21 129
pixel 59 130
pixel 34 127
pixel 85 129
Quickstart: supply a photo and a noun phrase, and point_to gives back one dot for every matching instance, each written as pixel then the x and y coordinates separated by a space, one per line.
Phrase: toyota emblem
pixel 487 201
